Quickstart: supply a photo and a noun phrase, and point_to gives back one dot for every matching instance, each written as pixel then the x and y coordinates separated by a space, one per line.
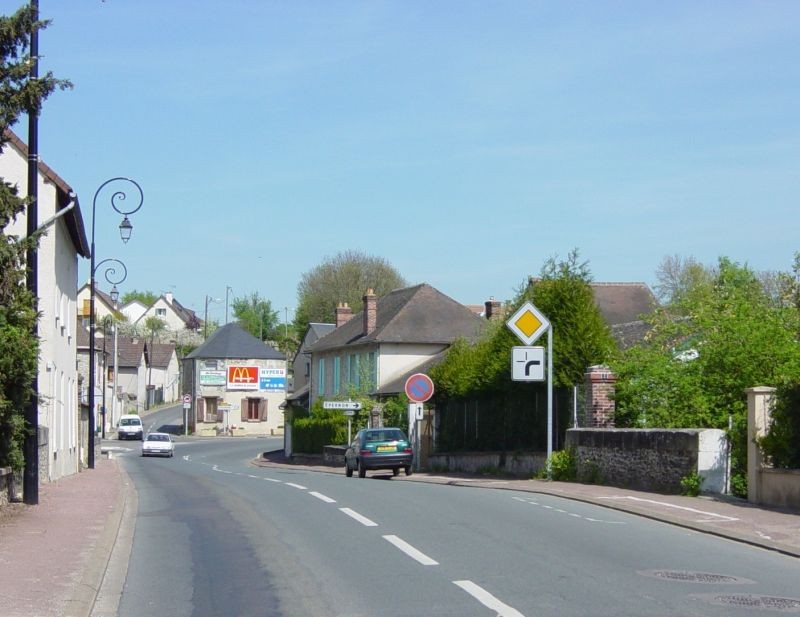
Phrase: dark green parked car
pixel 379 448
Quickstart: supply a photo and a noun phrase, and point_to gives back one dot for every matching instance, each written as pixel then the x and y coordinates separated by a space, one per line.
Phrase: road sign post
pixel 529 323
pixel 187 405
pixel 419 388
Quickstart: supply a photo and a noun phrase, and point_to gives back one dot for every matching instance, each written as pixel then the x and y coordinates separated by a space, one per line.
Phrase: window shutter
pixel 243 407
pixel 86 308
pixel 201 409
pixel 262 410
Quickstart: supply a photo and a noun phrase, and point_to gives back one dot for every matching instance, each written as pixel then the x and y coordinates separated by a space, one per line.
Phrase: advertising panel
pixel 272 379
pixel 212 378
pixel 243 378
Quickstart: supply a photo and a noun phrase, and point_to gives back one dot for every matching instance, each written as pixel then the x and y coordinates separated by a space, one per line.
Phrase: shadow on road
pixel 172 429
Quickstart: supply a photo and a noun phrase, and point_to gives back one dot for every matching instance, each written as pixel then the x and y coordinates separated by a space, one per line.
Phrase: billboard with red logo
pixel 242 378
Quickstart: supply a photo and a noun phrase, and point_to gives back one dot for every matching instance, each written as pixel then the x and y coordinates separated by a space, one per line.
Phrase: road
pixel 216 536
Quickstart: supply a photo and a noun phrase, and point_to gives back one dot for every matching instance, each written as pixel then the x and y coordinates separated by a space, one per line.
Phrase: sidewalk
pixel 723 516
pixel 53 555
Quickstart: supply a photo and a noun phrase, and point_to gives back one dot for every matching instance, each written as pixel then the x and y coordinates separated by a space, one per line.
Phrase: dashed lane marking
pixel 293 485
pixel 322 497
pixel 412 552
pixel 361 519
pixel 488 600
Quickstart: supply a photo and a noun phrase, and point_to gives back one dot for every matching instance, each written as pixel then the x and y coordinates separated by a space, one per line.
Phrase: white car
pixel 158 444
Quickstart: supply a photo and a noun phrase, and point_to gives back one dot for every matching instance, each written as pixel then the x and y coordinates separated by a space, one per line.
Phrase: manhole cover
pixel 687 576
pixel 769 603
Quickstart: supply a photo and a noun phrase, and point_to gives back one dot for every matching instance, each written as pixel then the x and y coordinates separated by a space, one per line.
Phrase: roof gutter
pixel 73 202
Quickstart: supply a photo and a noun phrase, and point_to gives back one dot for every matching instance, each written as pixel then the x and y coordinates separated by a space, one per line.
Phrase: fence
pixel 514 420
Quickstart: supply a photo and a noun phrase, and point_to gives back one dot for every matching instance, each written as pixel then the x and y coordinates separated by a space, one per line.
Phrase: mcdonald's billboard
pixel 242 378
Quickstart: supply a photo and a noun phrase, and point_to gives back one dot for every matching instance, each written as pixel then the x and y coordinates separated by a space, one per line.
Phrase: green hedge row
pixel 310 435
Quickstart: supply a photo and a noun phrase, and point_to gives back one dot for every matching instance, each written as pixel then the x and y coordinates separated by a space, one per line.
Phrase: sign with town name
pixel 346 405
pixel 243 378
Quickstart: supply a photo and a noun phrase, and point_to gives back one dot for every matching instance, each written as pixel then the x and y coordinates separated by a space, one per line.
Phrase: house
pixel 61 436
pixel 131 374
pixel 104 306
pixel 301 363
pixel 393 337
pixel 623 305
pixel 133 310
pixel 163 373
pixel 235 380
pixel 173 313
pixel 103 370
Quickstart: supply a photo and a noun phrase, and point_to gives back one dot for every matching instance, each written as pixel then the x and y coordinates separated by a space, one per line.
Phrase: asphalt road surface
pixel 216 536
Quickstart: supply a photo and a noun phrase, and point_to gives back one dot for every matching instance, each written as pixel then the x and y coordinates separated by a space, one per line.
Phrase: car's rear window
pixel 130 422
pixel 157 438
pixel 384 435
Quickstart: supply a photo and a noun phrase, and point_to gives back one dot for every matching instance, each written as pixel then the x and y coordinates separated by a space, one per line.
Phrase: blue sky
pixel 463 141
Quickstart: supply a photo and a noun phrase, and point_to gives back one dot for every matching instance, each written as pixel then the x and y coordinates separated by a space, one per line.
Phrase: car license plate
pixel 386 448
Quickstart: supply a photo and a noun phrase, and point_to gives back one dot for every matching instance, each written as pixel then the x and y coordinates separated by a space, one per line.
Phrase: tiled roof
pixel 418 314
pixel 232 341
pixel 621 303
pixel 160 354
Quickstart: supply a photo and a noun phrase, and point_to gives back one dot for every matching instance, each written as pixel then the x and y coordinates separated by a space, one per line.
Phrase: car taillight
pixel 408 451
pixel 366 452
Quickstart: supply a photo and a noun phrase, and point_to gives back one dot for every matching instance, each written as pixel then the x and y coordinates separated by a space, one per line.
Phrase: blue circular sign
pixel 419 388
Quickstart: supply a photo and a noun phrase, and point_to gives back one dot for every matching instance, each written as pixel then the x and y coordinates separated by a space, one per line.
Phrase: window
pixel 337 377
pixel 321 376
pixel 354 377
pixel 161 312
pixel 252 409
pixel 372 371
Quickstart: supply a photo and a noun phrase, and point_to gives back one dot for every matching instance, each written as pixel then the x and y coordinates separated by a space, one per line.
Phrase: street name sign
pixel 528 323
pixel 527 363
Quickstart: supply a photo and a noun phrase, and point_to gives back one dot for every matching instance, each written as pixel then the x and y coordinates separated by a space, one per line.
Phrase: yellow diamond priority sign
pixel 528 323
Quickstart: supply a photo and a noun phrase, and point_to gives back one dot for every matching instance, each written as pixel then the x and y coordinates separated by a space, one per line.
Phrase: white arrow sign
pixel 354 405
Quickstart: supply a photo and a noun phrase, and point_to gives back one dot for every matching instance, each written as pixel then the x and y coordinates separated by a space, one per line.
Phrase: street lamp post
pixel 205 320
pixel 125 229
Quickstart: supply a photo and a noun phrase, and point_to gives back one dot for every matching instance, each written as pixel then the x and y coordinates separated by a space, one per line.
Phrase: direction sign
pixel 419 388
pixel 352 405
pixel 528 323
pixel 527 363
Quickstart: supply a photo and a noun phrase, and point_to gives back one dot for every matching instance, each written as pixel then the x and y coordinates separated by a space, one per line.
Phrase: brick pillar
pixel 343 314
pixel 370 312
pixel 599 397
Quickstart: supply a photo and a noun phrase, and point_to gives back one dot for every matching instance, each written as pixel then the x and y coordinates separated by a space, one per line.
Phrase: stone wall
pixel 651 459
pixel 522 464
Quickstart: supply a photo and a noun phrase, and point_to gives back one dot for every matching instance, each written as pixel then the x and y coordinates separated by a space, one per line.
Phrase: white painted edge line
pixel 293 485
pixel 488 600
pixel 671 505
pixel 361 519
pixel 322 497
pixel 411 551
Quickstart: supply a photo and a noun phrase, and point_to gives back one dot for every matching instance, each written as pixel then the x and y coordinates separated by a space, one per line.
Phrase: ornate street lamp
pixel 110 274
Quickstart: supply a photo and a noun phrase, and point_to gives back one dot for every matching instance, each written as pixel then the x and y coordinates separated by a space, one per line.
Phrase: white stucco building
pixel 65 241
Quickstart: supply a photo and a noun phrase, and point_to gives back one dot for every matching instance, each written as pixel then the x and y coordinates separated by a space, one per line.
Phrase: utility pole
pixel 30 448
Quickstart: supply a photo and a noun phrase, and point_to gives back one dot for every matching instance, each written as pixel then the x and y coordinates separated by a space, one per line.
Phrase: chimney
pixel 343 314
pixel 168 297
pixel 370 311
pixel 492 308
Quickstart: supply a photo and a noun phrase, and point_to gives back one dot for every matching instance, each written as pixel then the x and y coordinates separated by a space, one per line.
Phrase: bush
pixel 691 484
pixel 781 445
pixel 563 466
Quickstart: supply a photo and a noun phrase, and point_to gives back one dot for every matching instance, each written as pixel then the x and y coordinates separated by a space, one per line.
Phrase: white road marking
pixel 670 505
pixel 548 507
pixel 252 476
pixel 271 480
pixel 186 457
pixel 488 600
pixel 763 535
pixel 361 519
pixel 411 551
pixel 324 498
pixel 293 485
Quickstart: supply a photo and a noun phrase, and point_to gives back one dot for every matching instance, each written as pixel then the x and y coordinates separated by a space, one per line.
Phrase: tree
pixel 345 277
pixel 256 315
pixel 721 336
pixel 148 298
pixel 19 346
pixel 678 275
